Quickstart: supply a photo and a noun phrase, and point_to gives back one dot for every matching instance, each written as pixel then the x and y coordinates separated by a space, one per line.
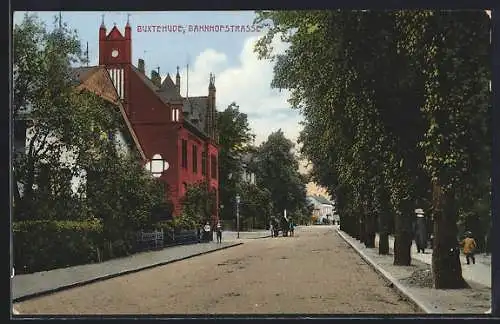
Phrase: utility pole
pixel 238 214
pixel 87 53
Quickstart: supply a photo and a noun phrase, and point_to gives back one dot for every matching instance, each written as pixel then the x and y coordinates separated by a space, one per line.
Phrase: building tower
pixel 115 53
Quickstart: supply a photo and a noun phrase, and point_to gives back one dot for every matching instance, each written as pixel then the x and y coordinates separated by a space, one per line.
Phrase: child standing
pixel 469 245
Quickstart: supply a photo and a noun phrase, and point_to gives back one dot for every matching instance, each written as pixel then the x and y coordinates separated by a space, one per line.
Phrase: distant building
pixel 324 209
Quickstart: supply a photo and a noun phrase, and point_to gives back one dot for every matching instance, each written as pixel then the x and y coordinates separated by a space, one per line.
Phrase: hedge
pixel 41 245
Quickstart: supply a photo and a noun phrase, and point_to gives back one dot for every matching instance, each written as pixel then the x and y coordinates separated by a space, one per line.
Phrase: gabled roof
pixel 167 83
pixel 168 90
pixel 82 74
pixel 320 200
pixel 193 107
pixel 196 108
pixel 114 33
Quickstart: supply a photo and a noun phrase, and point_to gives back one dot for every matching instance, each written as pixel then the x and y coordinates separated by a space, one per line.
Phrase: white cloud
pixel 248 84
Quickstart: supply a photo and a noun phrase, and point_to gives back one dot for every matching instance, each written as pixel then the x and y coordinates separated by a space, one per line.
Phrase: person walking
pixel 206 232
pixel 469 246
pixel 292 227
pixel 271 228
pixel 219 232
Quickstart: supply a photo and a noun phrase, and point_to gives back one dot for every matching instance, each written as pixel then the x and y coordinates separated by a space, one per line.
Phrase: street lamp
pixel 238 214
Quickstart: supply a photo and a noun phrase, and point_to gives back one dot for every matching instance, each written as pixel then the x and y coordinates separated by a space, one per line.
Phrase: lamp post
pixel 238 215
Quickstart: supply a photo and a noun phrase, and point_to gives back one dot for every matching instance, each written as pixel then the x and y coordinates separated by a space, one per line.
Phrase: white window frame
pixel 175 114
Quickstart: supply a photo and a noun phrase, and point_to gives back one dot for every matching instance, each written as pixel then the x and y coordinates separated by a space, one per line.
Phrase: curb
pixel 254 238
pixel 113 275
pixel 387 276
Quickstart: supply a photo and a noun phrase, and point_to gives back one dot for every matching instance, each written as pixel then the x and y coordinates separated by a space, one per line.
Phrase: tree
pixel 43 95
pixel 277 170
pixel 451 49
pixel 255 206
pixel 235 137
pixel 195 209
pixel 70 137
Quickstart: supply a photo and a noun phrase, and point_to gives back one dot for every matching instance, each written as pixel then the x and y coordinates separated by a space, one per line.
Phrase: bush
pixel 43 245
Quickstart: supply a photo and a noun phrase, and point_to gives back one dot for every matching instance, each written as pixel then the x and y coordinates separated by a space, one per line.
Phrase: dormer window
pixel 175 114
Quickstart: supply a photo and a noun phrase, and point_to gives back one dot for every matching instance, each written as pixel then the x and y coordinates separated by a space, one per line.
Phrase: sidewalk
pixel 232 236
pixel 415 283
pixel 31 285
pixel 479 272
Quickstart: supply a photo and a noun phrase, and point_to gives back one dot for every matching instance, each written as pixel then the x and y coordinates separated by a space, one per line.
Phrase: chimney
pixel 141 66
pixel 155 77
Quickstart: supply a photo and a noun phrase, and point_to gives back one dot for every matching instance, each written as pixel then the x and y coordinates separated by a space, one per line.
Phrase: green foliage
pixel 256 206
pixel 197 206
pixel 277 170
pixel 235 138
pixel 124 196
pixel 43 245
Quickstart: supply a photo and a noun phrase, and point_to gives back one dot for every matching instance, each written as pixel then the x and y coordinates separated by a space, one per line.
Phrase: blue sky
pixel 240 76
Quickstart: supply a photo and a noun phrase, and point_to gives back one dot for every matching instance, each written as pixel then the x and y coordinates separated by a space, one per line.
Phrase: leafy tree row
pixel 396 108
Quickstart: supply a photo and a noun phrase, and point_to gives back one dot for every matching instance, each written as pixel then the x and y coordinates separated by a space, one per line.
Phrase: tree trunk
pixel 370 230
pixel 402 239
pixel 353 225
pixel 383 236
pixel 446 267
pixel 361 227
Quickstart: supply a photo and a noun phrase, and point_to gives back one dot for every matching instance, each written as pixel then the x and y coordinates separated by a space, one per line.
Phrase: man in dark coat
pixel 420 231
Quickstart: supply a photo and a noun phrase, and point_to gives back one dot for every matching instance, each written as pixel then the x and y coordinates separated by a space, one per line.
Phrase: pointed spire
pixel 178 71
pixel 102 22
pixel 212 81
pixel 128 20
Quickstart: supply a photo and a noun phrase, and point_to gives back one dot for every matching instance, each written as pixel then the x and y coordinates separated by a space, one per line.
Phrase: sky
pixel 239 76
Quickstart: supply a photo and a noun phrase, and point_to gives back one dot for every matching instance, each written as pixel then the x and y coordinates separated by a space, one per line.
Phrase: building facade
pixel 323 209
pixel 182 130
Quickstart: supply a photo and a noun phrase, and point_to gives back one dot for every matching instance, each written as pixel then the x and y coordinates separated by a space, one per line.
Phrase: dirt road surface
pixel 311 273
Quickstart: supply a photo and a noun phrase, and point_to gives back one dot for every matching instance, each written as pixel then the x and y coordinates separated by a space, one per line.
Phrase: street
pixel 313 272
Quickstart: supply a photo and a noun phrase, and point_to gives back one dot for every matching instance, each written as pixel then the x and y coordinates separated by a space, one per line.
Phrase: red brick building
pixel 182 130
